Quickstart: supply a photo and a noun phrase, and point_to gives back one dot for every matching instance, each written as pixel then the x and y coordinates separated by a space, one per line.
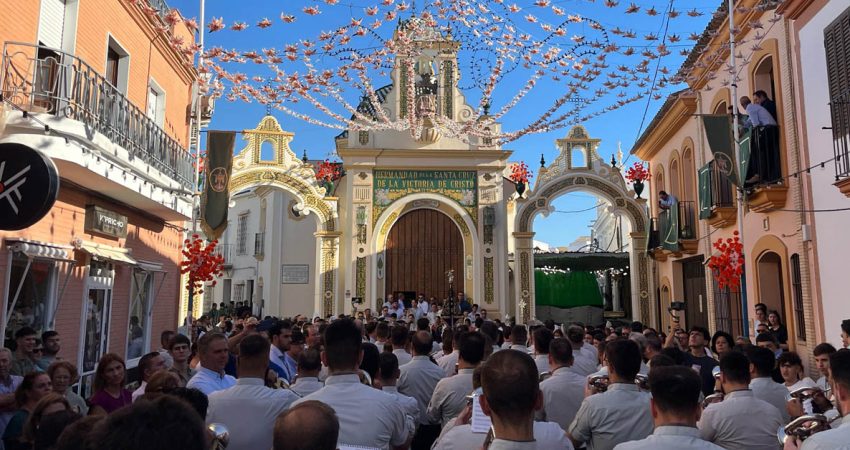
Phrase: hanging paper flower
pixel 520 173
pixel 638 172
pixel 728 263
pixel 216 24
pixel 201 262
pixel 328 171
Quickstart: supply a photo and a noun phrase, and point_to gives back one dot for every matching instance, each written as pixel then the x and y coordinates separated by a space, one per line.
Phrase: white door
pixel 153 104
pixel 51 23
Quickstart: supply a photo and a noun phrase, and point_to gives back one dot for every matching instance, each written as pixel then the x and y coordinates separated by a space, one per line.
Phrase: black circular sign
pixel 29 185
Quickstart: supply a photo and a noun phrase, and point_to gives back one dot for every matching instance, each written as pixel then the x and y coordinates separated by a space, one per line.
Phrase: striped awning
pixel 106 252
pixel 40 250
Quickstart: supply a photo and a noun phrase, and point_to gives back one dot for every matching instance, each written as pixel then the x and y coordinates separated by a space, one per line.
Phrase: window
pixel 242 235
pixel 156 103
pixel 239 292
pixel 267 151
pixel 112 61
pixel 95 322
pixel 797 289
pixel 138 334
pixel 31 295
pixel 117 66
pixel 836 43
pixel 727 309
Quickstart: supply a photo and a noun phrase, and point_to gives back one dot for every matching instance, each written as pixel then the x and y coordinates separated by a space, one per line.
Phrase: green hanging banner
pixel 705 200
pixel 718 132
pixel 216 194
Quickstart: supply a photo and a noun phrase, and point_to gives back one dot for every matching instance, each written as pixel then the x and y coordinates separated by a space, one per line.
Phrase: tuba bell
pixel 544 375
pixel 642 381
pixel 805 426
pixel 716 397
pixel 220 436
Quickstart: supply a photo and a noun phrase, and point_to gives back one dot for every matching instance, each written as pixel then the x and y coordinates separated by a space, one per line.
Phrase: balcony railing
pixel 840 107
pixel 765 161
pixel 722 192
pixel 45 80
pixel 225 250
pixel 687 220
pixel 259 244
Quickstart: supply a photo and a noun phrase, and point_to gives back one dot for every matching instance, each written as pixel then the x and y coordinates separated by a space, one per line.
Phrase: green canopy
pixel 566 290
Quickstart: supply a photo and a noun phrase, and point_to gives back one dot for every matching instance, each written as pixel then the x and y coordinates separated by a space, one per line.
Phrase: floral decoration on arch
pixel 728 263
pixel 201 262
pixel 520 174
pixel 328 171
pixel 638 172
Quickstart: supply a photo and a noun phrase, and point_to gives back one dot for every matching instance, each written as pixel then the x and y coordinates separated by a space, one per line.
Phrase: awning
pixel 150 266
pixel 39 250
pixel 107 252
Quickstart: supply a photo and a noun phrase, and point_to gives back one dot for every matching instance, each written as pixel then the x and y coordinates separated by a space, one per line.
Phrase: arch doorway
pixel 771 288
pixel 421 247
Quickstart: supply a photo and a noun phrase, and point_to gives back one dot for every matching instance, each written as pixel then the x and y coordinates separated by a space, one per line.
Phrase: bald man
pixel 311 425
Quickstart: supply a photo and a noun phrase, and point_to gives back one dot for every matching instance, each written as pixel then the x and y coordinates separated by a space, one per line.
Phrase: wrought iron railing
pixel 722 192
pixel 840 108
pixel 654 234
pixel 161 7
pixel 765 160
pixel 687 220
pixel 259 244
pixel 225 250
pixel 67 87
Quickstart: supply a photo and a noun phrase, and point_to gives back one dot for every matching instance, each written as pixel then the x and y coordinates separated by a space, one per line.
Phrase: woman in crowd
pixel 721 344
pixel 109 393
pixel 774 325
pixel 32 389
pixel 63 375
pixel 49 404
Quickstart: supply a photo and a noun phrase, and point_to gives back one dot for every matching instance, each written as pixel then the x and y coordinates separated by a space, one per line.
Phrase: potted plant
pixel 637 174
pixel 327 173
pixel 520 176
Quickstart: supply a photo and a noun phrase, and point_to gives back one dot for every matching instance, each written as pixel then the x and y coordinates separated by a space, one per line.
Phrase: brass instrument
pixel 220 436
pixel 545 375
pixel 716 397
pixel 805 426
pixel 598 382
pixel 819 398
pixel 642 381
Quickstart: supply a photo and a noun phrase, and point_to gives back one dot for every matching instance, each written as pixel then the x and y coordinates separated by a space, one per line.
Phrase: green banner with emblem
pixel 704 176
pixel 216 194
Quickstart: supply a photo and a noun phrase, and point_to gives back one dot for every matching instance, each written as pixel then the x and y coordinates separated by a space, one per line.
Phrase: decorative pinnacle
pixel 542 161
pixel 304 158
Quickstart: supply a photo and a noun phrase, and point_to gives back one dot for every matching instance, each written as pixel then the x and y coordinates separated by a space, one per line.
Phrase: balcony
pixel 764 175
pixel 225 250
pixel 840 108
pixel 723 209
pixel 688 241
pixel 259 245
pixel 79 104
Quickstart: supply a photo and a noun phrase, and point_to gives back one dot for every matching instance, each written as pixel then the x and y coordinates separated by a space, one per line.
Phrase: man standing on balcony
pixel 669 218
pixel 758 115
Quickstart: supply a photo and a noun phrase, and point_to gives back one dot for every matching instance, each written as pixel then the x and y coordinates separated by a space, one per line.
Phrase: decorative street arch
pixel 284 170
pixel 590 174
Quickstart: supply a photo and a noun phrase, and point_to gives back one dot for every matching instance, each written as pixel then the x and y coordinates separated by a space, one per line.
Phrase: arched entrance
pixel 421 247
pixel 770 282
pixel 599 178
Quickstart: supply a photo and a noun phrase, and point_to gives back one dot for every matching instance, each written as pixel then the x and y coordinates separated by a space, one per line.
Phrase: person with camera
pixel 837 438
pixel 620 414
pixel 740 421
pixel 675 408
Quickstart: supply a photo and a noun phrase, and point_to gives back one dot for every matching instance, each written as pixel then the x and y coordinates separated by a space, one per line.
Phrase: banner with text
pixel 458 185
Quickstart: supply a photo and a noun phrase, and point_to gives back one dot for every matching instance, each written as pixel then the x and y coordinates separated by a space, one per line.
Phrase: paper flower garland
pixel 728 263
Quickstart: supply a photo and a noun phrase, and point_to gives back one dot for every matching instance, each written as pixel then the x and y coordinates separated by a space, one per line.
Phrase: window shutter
pixel 837 46
pixel 705 191
pixel 51 23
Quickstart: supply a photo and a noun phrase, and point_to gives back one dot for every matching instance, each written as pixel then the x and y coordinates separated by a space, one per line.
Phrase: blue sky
pixel 621 125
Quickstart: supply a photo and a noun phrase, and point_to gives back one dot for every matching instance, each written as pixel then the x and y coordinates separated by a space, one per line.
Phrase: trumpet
pixel 545 375
pixel 642 381
pixel 220 436
pixel 805 426
pixel 598 382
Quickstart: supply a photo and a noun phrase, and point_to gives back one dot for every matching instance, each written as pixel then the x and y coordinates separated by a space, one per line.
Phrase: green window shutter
pixel 705 191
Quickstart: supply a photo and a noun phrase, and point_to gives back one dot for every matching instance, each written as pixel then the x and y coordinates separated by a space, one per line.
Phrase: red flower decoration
pixel 328 171
pixel 520 173
pixel 638 172
pixel 728 264
pixel 201 262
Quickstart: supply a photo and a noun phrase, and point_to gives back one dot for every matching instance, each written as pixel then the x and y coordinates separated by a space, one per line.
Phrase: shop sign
pixel 104 221
pixel 29 185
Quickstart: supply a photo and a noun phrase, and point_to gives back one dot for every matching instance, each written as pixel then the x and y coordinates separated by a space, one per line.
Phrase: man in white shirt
pixel 388 374
pixel 730 423
pixel 449 362
pixel 620 414
pixel 417 379
pixel 249 409
pixel 165 341
pixel 280 333
pixel 542 338
pixel 511 393
pixel 310 425
pixel 838 438
pixel 209 374
pixel 519 339
pixel 675 408
pixel 449 396
pixel 309 366
pixel 382 335
pixel 424 306
pixel 563 392
pixel 8 384
pixel 822 352
pixel 399 339
pixel 758 115
pixel 367 416
pixel 149 364
pixel 764 388
pixel 585 360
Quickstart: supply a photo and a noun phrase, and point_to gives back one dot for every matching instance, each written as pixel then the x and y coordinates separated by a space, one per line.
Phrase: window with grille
pixel 242 235
pixel 797 289
pixel 727 309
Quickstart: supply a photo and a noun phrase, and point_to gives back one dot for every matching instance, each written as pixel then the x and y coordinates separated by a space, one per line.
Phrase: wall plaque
pixel 294 274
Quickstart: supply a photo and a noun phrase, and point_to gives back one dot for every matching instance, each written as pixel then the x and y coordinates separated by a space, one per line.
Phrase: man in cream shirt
pixel 449 396
pixel 563 392
pixel 418 379
pixel 838 438
pixel 249 409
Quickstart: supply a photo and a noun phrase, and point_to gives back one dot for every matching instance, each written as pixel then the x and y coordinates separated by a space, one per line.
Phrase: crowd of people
pixel 414 377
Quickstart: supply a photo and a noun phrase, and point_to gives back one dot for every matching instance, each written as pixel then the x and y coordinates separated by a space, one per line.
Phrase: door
pixel 422 246
pixel 696 303
pixel 95 324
